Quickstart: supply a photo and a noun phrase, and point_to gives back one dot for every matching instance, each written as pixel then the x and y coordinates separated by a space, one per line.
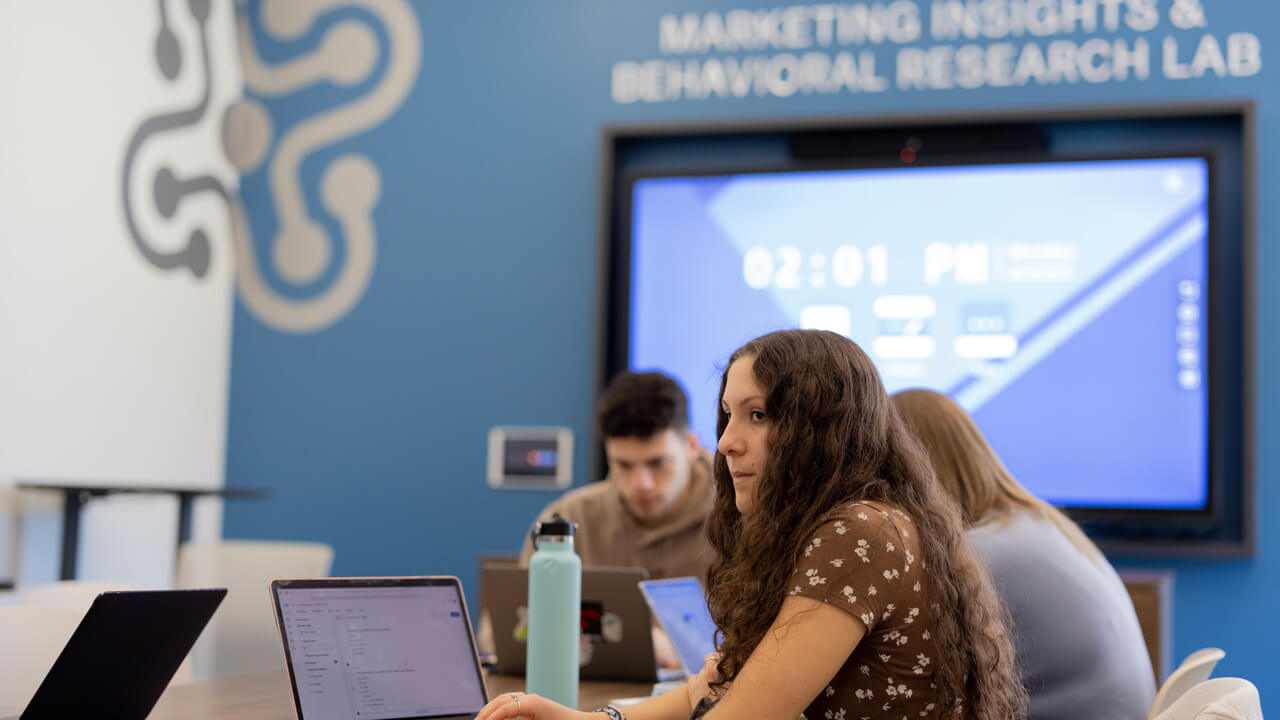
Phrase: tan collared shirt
pixel 608 534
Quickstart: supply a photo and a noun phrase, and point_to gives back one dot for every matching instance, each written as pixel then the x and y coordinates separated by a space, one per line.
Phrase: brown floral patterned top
pixel 865 560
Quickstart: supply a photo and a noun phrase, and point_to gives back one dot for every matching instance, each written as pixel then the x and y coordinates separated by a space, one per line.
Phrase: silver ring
pixel 517 698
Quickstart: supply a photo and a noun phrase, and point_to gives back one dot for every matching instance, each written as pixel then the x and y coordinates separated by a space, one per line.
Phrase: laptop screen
pixel 372 651
pixel 681 607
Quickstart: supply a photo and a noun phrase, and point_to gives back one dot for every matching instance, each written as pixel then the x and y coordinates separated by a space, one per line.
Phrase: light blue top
pixel 1080 649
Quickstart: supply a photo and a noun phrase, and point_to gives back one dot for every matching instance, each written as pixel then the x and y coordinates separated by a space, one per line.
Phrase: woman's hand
pixel 700 685
pixel 530 707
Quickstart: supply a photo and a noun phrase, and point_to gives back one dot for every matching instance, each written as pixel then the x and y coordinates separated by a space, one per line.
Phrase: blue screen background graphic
pixel 1095 269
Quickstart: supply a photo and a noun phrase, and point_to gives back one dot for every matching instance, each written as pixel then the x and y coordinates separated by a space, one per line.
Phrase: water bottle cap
pixel 558 525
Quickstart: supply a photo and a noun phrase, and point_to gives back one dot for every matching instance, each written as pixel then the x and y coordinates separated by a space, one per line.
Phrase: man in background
pixel 651 509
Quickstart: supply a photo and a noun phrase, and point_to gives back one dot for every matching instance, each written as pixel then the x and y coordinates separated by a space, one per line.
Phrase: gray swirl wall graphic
pixel 168 189
pixel 350 185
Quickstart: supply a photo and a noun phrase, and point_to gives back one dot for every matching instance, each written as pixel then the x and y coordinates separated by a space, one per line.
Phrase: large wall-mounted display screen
pixel 1063 303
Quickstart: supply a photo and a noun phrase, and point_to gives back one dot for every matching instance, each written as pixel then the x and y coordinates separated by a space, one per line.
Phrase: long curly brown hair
pixel 836 438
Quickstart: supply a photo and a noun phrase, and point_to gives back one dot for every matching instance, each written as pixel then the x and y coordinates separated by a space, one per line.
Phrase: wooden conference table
pixel 266 696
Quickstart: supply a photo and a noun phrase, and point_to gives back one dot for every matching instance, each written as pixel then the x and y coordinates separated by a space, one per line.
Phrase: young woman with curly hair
pixel 842 586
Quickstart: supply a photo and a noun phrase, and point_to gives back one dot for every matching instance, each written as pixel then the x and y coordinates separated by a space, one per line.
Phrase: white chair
pixel 1194 670
pixel 1226 698
pixel 242 637
pixel 75 595
pixel 78 595
pixel 32 638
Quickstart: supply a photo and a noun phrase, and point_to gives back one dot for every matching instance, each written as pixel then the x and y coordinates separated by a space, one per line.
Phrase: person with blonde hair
pixel 1080 648
pixel 842 584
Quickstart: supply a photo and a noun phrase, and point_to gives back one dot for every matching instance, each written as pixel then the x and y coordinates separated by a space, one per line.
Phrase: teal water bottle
pixel 555 613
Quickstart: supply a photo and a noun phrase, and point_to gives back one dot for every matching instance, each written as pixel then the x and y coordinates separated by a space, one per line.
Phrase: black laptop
pixel 123 654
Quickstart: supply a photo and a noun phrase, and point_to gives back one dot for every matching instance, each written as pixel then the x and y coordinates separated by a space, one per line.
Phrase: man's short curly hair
pixel 641 405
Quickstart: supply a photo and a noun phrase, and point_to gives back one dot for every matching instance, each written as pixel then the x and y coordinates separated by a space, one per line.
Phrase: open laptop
pixel 379 648
pixel 123 654
pixel 615 620
pixel 680 605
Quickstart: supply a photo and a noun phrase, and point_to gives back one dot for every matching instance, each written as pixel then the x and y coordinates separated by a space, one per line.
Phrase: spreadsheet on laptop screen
pixel 376 653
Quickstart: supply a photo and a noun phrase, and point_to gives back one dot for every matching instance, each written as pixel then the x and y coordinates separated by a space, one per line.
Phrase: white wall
pixel 112 370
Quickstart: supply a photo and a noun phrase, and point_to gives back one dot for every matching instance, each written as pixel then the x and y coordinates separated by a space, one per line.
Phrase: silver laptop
pixel 680 606
pixel 615 620
pixel 379 648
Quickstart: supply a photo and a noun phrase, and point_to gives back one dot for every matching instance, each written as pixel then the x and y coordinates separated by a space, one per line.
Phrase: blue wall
pixel 483 305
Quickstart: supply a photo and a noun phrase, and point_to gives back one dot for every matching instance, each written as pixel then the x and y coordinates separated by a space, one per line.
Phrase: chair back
pixel 75 595
pixel 1225 698
pixel 1195 669
pixel 242 637
pixel 32 639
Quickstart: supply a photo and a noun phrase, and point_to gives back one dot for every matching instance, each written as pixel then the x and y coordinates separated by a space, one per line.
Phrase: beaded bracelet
pixel 613 712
